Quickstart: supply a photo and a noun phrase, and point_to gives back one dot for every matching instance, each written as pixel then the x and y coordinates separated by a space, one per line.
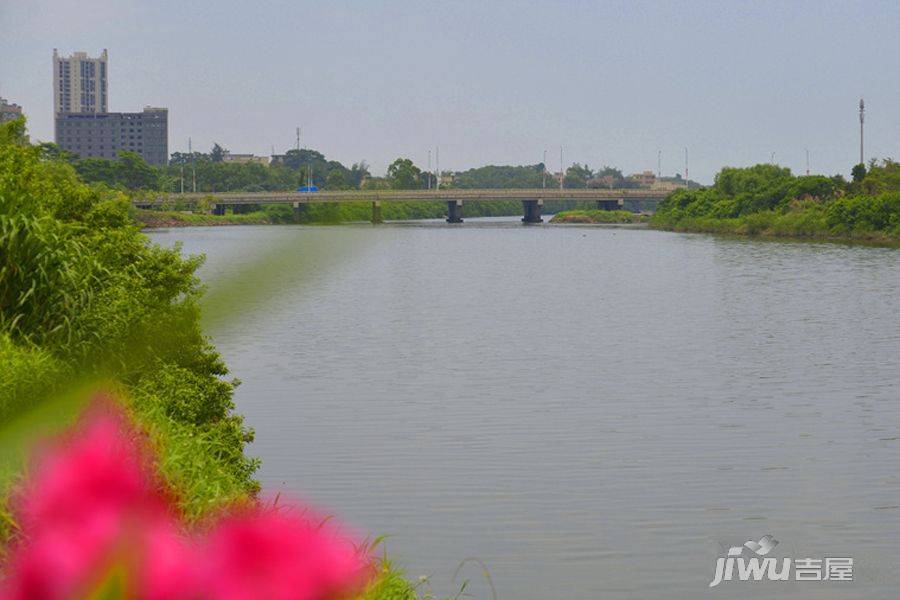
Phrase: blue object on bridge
pixel 308 188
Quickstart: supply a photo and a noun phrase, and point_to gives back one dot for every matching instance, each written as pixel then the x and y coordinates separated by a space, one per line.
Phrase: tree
pixel 217 153
pixel 51 151
pixel 501 176
pixel 404 175
pixel 858 172
pixel 577 176
pixel 335 180
pixel 97 170
pixel 134 173
pixel 13 132
pixel 359 172
pixel 185 158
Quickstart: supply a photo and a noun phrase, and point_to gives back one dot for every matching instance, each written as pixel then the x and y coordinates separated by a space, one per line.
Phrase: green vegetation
pixel 82 292
pixel 768 200
pixel 599 216
pixel 88 303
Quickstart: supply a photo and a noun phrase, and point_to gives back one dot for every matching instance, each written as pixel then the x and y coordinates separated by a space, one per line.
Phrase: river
pixel 592 412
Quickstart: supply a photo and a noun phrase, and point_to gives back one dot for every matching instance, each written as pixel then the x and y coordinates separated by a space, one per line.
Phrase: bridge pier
pixel 610 204
pixel 454 211
pixel 218 209
pixel 532 209
pixel 376 212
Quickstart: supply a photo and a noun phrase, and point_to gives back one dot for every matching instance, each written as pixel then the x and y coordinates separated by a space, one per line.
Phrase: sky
pixel 486 82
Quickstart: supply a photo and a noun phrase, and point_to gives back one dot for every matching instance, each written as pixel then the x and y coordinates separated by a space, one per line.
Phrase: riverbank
pixel 599 216
pixel 800 225
pixel 155 219
pixel 769 201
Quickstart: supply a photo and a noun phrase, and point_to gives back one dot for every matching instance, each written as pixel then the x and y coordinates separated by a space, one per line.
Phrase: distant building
pixel 244 159
pixel 79 83
pixel 604 181
pixel 84 125
pixel 8 111
pixel 674 183
pixel 104 135
pixel 645 179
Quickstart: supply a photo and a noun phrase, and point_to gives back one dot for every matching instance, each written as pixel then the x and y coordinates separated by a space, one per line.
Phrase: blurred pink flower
pixel 91 501
pixel 95 513
pixel 277 554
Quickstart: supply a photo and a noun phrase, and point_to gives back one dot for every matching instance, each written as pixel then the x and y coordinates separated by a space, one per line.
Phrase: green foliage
pixel 769 200
pixel 130 171
pixel 577 176
pixel 598 216
pixel 865 213
pixel 279 213
pixel 884 177
pixel 28 372
pixel 13 132
pixel 390 585
pixel 217 153
pixel 83 292
pixel 494 177
pixel 336 180
pixel 404 175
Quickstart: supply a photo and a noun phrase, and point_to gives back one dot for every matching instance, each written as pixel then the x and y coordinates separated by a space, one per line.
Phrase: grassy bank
pixel 807 220
pixel 767 200
pixel 171 218
pixel 598 216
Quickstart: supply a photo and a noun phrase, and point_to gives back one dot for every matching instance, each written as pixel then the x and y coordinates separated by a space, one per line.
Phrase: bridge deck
pixel 231 198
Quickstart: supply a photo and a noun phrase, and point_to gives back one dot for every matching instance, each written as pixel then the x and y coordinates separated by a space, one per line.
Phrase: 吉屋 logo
pixel 773 569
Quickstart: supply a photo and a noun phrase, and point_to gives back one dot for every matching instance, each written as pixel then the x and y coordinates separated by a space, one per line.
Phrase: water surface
pixel 592 412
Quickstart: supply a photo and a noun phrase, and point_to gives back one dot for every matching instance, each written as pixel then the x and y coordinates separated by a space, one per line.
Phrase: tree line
pixel 212 172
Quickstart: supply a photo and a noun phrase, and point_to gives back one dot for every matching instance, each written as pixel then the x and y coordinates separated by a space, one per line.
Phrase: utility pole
pixel 807 162
pixel 544 172
pixel 686 179
pixel 298 140
pixel 862 119
pixel 562 172
pixel 429 169
pixel 437 167
pixel 659 164
pixel 193 169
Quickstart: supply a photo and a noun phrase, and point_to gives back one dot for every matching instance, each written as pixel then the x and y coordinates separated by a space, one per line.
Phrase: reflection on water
pixel 592 412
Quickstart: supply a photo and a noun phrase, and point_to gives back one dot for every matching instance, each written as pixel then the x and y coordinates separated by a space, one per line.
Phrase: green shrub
pixel 83 292
pixel 768 200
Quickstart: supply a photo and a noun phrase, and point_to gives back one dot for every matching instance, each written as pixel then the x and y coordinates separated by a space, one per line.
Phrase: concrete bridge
pixel 532 199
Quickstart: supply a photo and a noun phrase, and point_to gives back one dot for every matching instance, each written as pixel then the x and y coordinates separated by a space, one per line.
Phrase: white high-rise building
pixel 80 83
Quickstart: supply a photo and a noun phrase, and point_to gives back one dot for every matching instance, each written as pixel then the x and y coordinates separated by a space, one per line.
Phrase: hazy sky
pixel 489 82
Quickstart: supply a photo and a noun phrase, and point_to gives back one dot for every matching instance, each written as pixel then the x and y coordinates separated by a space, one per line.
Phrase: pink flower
pixel 92 507
pixel 94 516
pixel 277 555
